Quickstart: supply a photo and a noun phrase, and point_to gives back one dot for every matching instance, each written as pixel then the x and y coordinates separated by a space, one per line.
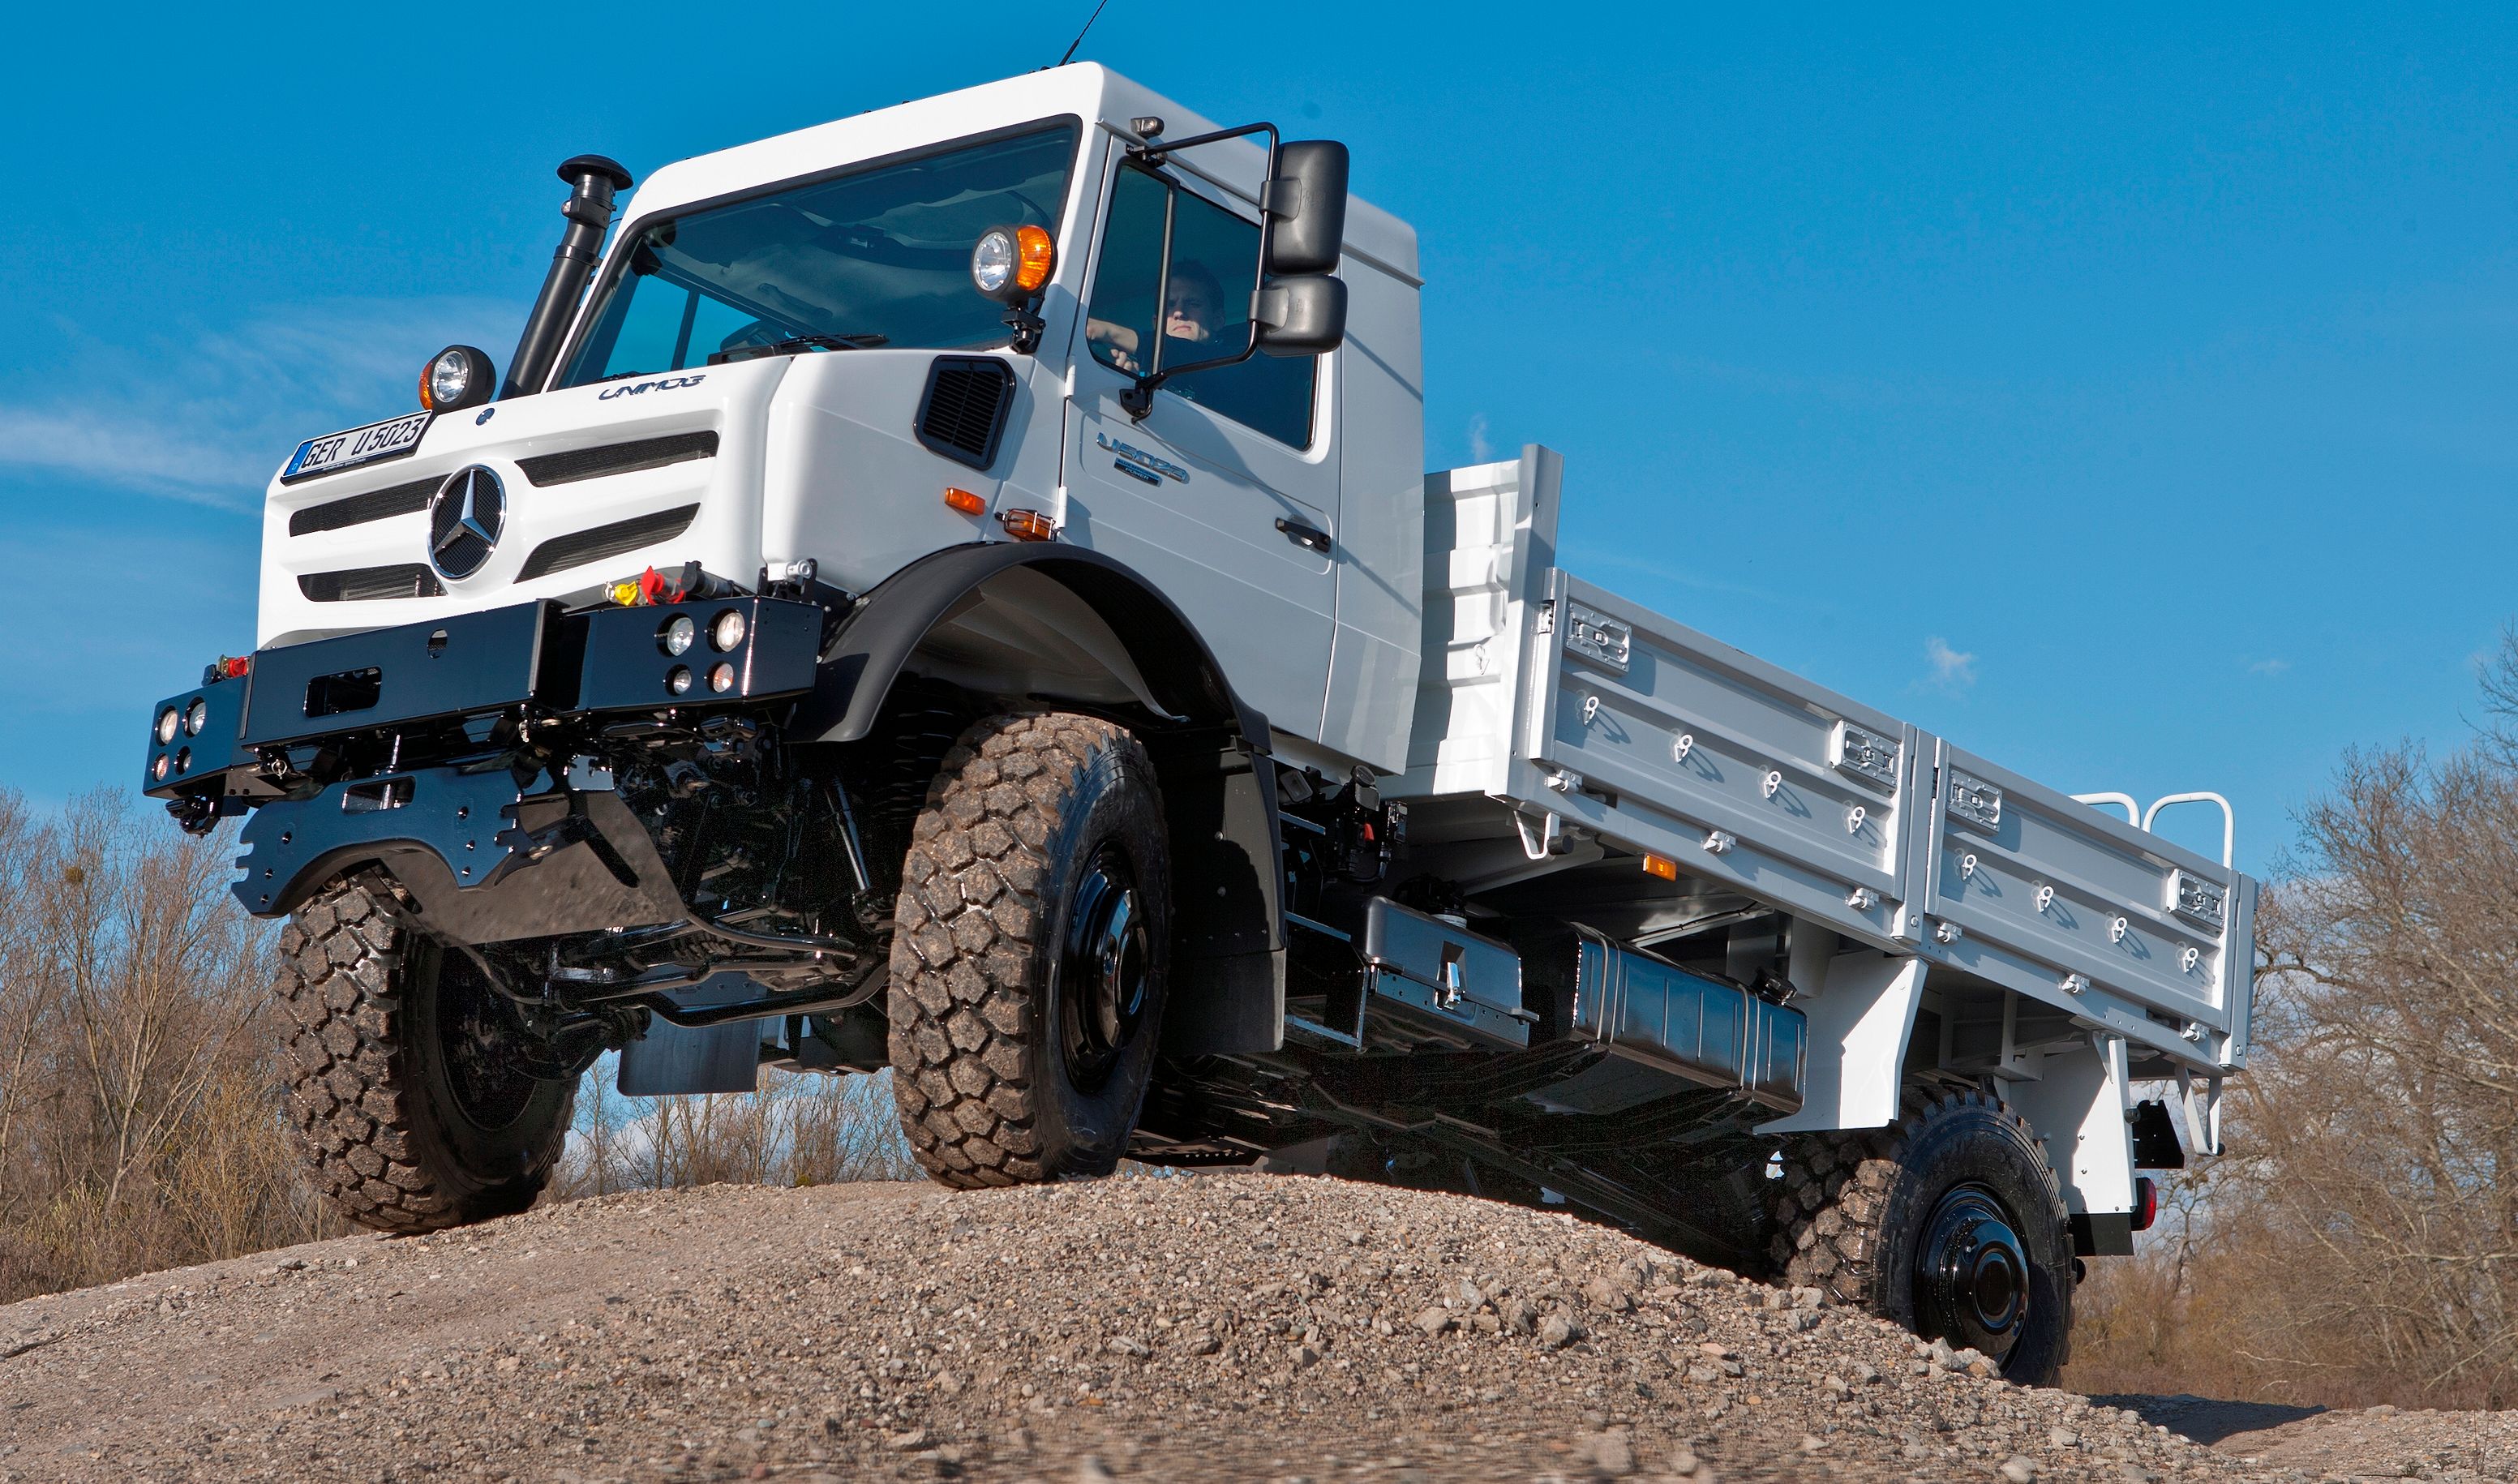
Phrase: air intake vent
pixel 579 547
pixel 358 510
pixel 964 412
pixel 362 585
pixel 616 457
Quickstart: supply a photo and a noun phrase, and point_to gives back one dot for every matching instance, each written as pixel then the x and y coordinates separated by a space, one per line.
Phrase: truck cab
pixel 690 415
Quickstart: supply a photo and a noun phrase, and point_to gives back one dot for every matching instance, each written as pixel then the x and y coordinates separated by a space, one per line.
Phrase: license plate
pixel 335 451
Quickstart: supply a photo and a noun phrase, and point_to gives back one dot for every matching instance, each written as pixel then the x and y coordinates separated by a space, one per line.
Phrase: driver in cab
pixel 1190 304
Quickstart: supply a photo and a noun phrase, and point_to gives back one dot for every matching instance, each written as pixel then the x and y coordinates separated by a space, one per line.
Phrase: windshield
pixel 878 257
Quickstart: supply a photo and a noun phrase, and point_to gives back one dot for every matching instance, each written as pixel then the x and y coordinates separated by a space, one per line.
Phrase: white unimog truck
pixel 956 590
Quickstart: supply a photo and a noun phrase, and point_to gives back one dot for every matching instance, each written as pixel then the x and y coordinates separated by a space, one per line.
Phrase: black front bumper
pixel 489 848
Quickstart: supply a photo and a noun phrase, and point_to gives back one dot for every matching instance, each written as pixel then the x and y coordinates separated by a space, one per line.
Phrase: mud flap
pixel 672 1059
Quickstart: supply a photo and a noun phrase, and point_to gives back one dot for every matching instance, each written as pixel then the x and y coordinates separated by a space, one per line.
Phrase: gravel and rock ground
pixel 1214 1327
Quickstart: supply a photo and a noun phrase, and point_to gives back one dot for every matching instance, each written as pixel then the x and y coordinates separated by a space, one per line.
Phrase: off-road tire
pixel 1850 1210
pixel 1015 821
pixel 385 1136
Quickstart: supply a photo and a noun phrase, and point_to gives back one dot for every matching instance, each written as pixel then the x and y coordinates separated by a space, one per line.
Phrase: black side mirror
pixel 1302 316
pixel 1307 197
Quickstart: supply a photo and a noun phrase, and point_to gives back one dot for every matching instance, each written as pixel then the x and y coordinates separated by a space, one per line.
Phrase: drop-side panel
pixel 1664 737
pixel 2059 900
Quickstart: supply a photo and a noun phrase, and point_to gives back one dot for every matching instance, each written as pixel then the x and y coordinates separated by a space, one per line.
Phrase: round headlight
pixel 157 768
pixel 992 261
pixel 679 634
pixel 679 679
pixel 183 759
pixel 721 678
pixel 195 717
pixel 167 721
pixel 455 377
pixel 727 631
pixel 1012 263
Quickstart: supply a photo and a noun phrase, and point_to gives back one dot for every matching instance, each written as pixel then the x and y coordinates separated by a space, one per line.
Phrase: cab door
pixel 1225 495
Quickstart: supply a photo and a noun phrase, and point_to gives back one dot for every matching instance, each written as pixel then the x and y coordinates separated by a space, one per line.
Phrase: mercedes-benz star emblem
pixel 464 519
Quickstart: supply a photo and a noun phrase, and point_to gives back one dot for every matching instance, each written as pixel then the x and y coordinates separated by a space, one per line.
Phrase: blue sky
pixel 2125 397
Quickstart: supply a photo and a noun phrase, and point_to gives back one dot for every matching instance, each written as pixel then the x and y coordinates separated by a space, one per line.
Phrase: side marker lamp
pixel 1662 867
pixel 1028 525
pixel 965 502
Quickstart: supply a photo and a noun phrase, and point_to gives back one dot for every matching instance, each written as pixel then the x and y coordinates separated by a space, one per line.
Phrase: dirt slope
pixel 1216 1326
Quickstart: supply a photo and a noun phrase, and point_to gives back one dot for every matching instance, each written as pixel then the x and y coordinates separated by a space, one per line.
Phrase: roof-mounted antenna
pixel 1079 35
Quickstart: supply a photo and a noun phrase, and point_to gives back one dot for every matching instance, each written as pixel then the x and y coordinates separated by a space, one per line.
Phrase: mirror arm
pixel 1139 399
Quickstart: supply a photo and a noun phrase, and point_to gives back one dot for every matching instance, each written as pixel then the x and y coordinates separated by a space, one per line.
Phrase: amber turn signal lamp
pixel 1028 525
pixel 1662 867
pixel 1034 255
pixel 965 502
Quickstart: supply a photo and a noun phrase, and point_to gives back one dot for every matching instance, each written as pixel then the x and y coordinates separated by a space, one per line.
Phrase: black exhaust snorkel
pixel 593 179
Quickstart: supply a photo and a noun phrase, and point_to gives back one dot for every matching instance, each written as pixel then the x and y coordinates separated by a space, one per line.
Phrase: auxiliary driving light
pixel 167 721
pixel 158 769
pixel 679 635
pixel 721 678
pixel 195 717
pixel 679 679
pixel 455 377
pixel 727 631
pixel 1011 264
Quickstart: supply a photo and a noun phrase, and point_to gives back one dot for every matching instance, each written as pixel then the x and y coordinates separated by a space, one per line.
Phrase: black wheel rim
pixel 1972 1274
pixel 1104 963
pixel 476 1045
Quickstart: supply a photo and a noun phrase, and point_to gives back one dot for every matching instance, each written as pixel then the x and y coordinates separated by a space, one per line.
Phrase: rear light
pixel 2146 1202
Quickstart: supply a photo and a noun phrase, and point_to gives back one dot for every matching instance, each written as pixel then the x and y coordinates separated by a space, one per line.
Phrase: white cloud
pixel 2269 666
pixel 1952 668
pixel 206 414
pixel 1480 450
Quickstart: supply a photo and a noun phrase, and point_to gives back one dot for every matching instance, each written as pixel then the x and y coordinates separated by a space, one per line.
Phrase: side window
pixel 1200 297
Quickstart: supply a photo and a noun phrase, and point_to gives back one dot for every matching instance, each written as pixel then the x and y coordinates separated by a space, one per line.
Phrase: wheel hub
pixel 1972 1274
pixel 1103 970
pixel 476 1042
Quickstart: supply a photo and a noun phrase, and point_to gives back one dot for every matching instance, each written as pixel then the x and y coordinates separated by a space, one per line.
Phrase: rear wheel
pixel 1951 1222
pixel 412 1106
pixel 1031 952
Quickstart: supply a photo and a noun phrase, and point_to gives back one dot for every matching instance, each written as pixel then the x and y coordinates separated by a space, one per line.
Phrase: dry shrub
pixel 2360 1244
pixel 140 1082
pixel 795 1130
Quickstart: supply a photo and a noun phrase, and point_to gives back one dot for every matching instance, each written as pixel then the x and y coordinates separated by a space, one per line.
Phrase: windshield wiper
pixel 794 343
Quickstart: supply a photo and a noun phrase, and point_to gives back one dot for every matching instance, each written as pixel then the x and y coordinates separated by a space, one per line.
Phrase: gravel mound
pixel 1208 1326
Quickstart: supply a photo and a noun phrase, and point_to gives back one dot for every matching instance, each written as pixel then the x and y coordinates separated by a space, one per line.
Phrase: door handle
pixel 1310 537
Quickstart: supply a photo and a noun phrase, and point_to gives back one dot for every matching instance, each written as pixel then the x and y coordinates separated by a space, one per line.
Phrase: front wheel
pixel 1029 953
pixel 1951 1222
pixel 412 1104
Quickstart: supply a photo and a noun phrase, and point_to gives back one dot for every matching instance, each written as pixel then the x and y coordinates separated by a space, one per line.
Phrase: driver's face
pixel 1188 312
